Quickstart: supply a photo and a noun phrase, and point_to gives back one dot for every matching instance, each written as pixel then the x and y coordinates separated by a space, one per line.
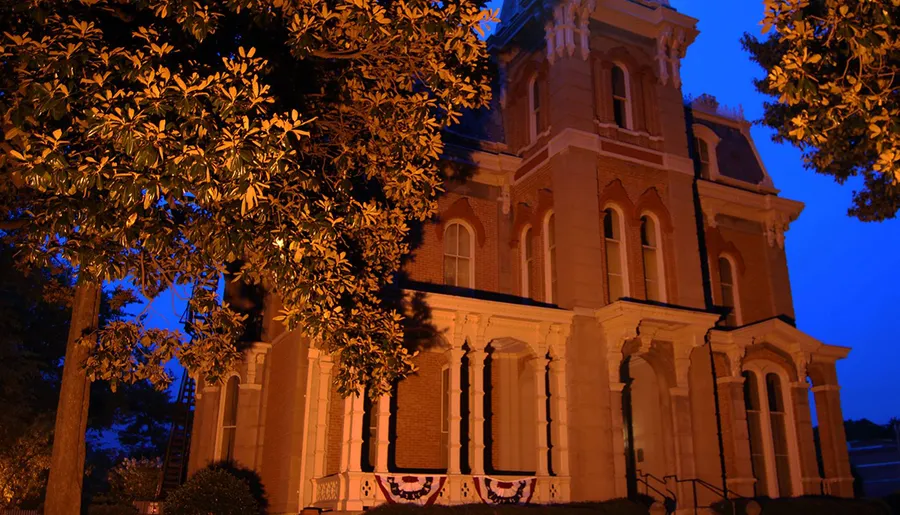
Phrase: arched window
pixel 613 232
pixel 775 394
pixel 229 419
pixel 754 427
pixel 654 274
pixel 527 261
pixel 534 107
pixel 458 259
pixel 550 257
pixel 621 97
pixel 770 442
pixel 729 291
pixel 703 156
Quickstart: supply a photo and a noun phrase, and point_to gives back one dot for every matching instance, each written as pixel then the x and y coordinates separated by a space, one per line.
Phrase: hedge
pixel 809 505
pixel 613 507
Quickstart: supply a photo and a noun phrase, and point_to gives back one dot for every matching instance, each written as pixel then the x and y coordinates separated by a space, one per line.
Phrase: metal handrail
pixel 662 481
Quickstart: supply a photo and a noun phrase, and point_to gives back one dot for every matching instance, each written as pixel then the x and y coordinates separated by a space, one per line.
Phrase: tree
pixel 158 140
pixel 34 315
pixel 833 67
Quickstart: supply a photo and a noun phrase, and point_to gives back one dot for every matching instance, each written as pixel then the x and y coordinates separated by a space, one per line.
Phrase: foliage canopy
pixel 833 66
pixel 161 139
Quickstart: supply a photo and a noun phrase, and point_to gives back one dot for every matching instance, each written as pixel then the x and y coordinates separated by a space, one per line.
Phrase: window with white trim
pixel 770 441
pixel 229 419
pixel 755 430
pixel 703 155
pixel 550 257
pixel 458 255
pixel 621 97
pixel 616 283
pixel 728 290
pixel 534 107
pixel 527 261
pixel 654 275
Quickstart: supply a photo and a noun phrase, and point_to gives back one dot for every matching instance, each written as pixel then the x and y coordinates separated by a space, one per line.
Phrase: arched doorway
pixel 649 451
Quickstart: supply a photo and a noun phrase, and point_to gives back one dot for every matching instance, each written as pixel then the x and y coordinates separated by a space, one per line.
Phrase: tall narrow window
pixel 534 97
pixel 702 155
pixel 615 262
pixel 445 415
pixel 550 257
pixel 754 426
pixel 653 266
pixel 728 289
pixel 458 264
pixel 527 262
pixel 621 100
pixel 777 420
pixel 229 419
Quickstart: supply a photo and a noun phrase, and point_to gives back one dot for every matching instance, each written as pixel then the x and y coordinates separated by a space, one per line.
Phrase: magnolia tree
pixel 158 140
pixel 833 66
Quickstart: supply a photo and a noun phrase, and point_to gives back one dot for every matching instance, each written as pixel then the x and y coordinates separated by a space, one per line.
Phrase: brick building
pixel 611 291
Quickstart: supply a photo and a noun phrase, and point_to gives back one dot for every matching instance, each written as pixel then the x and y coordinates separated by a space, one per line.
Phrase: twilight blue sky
pixel 844 284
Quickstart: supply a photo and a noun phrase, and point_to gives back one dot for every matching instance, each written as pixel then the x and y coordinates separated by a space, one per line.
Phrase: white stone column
pixel 559 430
pixel 351 450
pixel 539 364
pixel 382 433
pixel 454 358
pixel 476 432
pixel 325 366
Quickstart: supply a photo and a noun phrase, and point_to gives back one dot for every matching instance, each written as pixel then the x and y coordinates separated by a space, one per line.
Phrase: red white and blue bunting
pixel 420 490
pixel 495 491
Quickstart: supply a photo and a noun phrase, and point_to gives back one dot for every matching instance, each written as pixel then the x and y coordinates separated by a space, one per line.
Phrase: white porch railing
pixel 358 490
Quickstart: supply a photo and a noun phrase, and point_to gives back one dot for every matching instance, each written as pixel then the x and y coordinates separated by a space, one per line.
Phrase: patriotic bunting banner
pixel 420 490
pixel 495 491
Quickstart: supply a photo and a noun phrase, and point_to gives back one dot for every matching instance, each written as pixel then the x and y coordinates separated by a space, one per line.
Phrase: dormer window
pixel 702 148
pixel 705 142
pixel 534 103
pixel 621 98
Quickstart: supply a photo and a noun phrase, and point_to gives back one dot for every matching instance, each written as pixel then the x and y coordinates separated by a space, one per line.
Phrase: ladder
pixel 174 471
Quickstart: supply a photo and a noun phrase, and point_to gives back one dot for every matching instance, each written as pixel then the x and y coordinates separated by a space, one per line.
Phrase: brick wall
pixel 418 444
pixel 427 263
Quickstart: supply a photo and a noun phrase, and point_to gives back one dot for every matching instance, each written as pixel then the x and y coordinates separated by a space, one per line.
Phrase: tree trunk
pixel 67 462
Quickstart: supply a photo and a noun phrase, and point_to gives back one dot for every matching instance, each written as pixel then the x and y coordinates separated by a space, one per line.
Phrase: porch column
pixel 351 450
pixel 539 365
pixel 454 358
pixel 809 466
pixel 382 435
pixel 325 366
pixel 476 432
pixel 351 455
pixel 559 425
pixel 835 458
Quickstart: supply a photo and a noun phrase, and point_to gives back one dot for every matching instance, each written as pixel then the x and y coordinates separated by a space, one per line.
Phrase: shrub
pixel 613 507
pixel 810 505
pixel 112 509
pixel 211 490
pixel 248 476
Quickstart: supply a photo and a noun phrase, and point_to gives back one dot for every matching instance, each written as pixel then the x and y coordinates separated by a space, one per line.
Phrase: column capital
pixel 826 388
pixel 679 391
pixel 616 387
